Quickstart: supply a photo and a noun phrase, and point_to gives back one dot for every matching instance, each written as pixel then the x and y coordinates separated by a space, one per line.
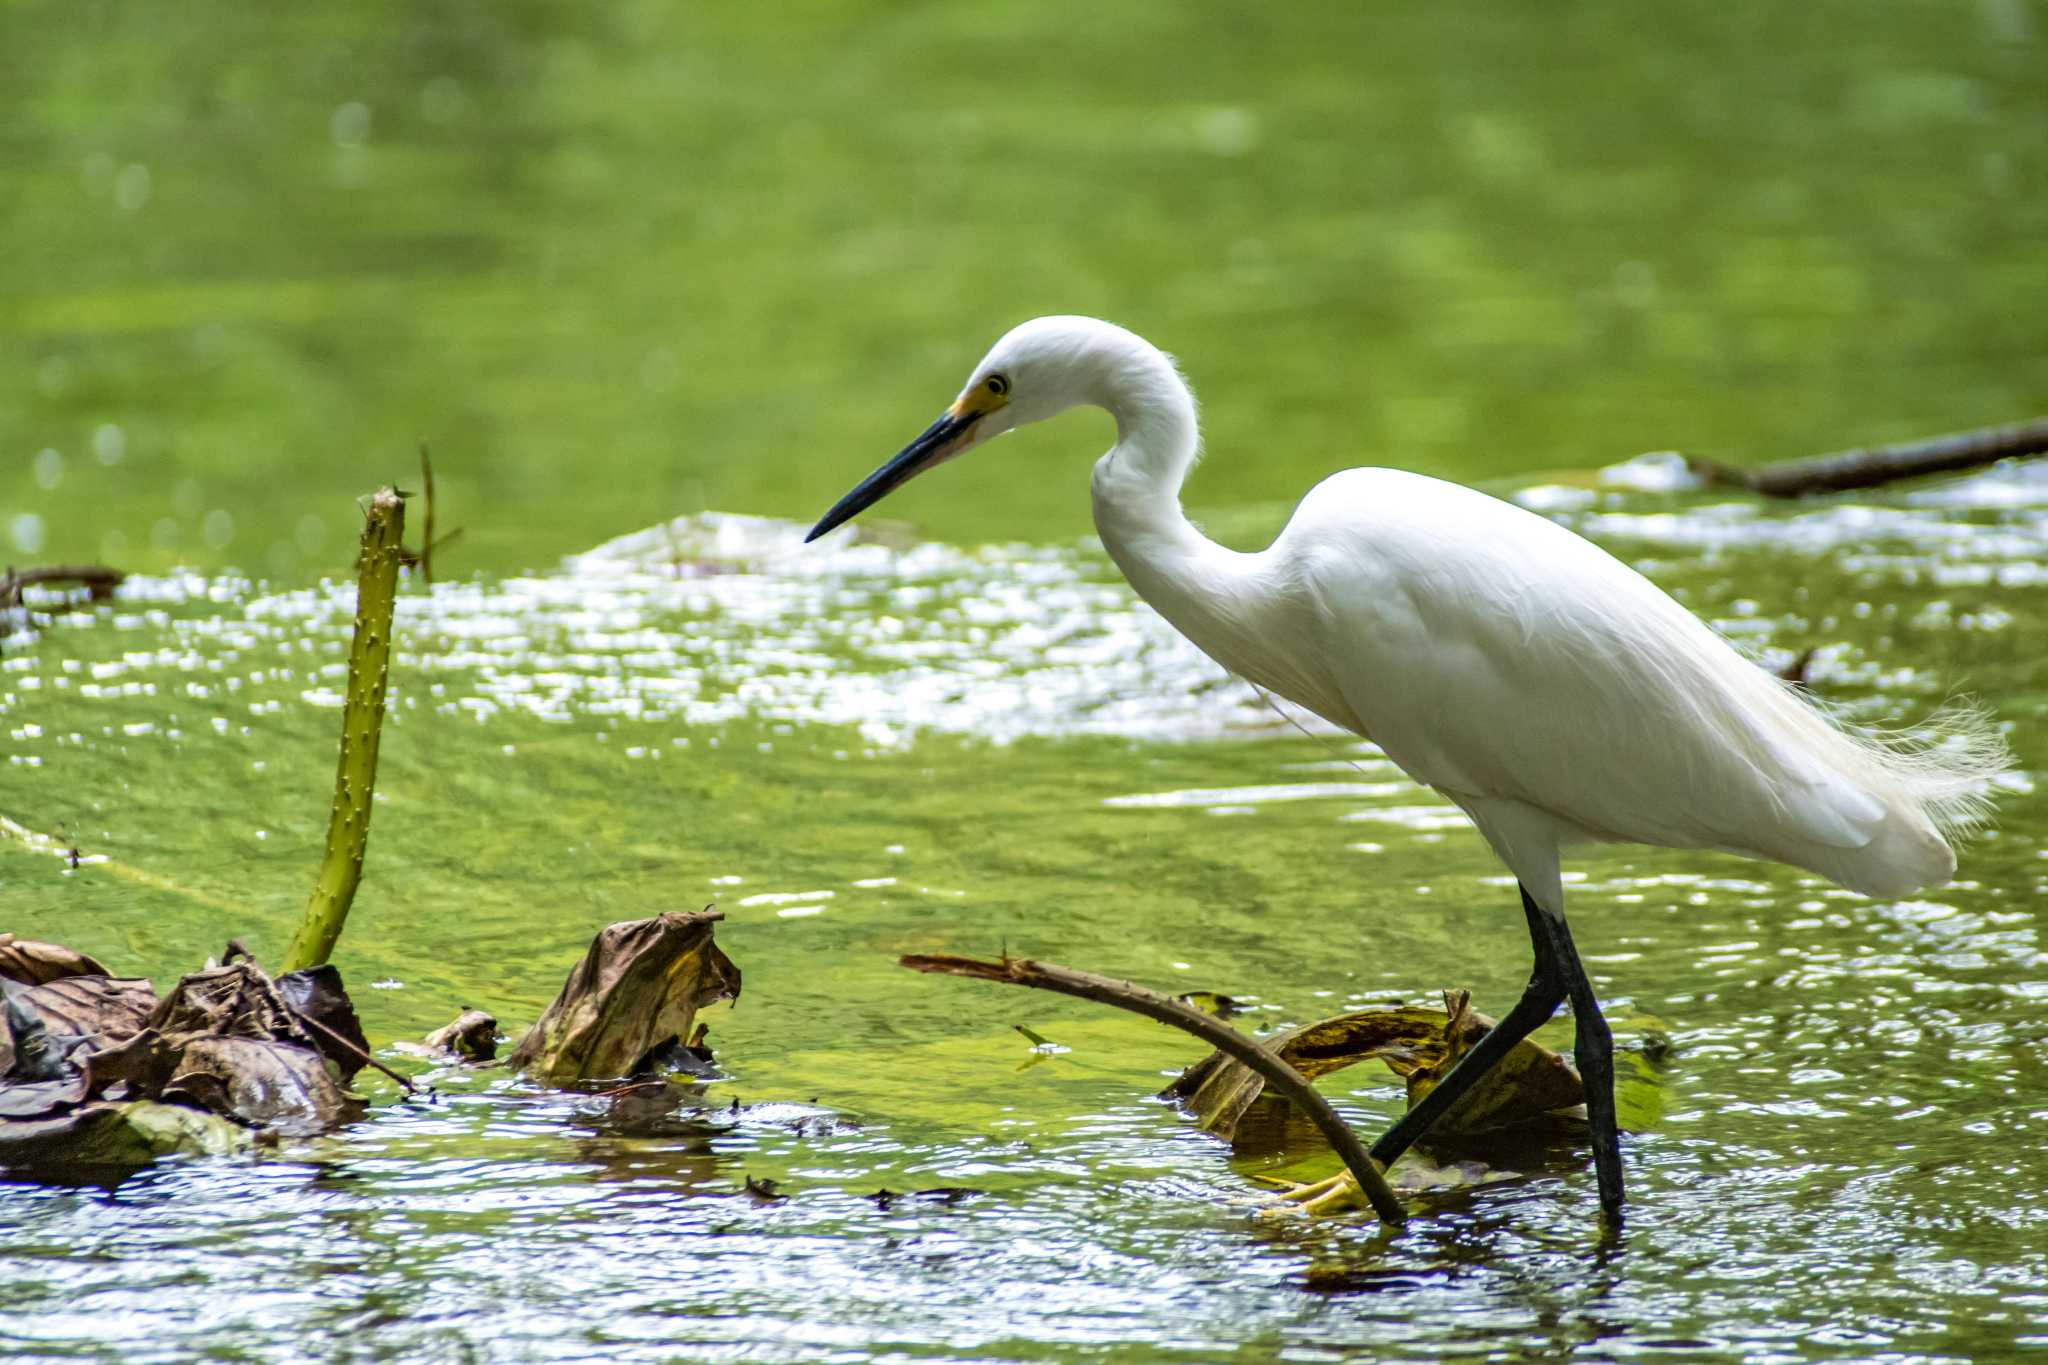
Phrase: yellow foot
pixel 1338 1194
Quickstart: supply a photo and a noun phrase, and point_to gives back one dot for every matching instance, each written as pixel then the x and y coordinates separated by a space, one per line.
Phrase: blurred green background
pixel 618 262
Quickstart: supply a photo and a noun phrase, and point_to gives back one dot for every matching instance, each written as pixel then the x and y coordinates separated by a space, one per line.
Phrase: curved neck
pixel 1216 597
pixel 1252 613
pixel 1137 484
pixel 1156 431
pixel 1176 568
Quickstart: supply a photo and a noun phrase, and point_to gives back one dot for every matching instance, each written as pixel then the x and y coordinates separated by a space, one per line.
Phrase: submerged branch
pixel 1873 465
pixel 1284 1079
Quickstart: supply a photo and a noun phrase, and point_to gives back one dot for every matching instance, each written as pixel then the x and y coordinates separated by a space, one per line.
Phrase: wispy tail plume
pixel 1950 766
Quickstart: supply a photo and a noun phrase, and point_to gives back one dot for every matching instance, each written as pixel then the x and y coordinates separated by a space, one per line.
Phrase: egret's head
pixel 1038 370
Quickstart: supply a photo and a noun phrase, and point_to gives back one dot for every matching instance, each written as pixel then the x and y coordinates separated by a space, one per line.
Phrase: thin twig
pixel 1284 1079
pixel 427 536
pixel 1796 672
pixel 630 1087
pixel 365 1058
pixel 267 984
pixel 1867 467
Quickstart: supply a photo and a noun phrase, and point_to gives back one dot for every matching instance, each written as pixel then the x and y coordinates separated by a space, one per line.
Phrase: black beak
pixel 927 450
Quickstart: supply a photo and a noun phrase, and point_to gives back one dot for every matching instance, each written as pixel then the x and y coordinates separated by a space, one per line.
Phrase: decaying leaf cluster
pixel 98 1070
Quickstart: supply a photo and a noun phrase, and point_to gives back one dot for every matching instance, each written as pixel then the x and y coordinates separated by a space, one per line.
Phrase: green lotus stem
pixel 362 724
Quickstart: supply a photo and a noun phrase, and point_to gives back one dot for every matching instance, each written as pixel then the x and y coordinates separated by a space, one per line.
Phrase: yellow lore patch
pixel 978 401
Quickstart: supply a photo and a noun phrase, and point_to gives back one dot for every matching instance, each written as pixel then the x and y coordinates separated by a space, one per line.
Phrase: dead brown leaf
pixel 109 1007
pixel 42 1026
pixel 237 1000
pixel 263 1083
pixel 33 963
pixel 1420 1045
pixel 317 997
pixel 632 998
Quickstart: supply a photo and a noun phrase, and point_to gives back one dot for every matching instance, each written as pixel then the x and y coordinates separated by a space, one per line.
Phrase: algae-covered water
pixel 623 264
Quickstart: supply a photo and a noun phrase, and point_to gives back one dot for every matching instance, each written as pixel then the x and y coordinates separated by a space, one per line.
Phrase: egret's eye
pixel 997 385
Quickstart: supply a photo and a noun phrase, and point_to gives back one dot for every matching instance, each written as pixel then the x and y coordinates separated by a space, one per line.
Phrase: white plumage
pixel 1551 691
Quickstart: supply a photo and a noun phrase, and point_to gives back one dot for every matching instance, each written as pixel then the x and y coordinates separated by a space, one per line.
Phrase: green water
pixel 1843 1158
pixel 629 262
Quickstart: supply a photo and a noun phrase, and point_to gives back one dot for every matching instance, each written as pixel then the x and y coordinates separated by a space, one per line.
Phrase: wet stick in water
pixel 362 724
pixel 1874 465
pixel 1284 1079
pixel 96 579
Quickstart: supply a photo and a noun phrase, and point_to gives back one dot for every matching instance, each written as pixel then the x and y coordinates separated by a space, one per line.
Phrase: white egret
pixel 1552 692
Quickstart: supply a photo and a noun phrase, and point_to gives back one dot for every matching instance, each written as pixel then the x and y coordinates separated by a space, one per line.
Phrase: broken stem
pixel 1284 1079
pixel 1873 465
pixel 362 724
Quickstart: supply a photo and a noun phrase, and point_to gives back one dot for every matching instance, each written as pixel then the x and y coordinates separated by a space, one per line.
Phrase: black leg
pixel 1593 1050
pixel 1557 976
pixel 1545 992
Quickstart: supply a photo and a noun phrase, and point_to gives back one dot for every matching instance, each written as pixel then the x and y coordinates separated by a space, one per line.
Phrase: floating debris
pixel 1530 1084
pixel 947 1196
pixel 97 1071
pixel 630 1004
pixel 1868 467
pixel 472 1036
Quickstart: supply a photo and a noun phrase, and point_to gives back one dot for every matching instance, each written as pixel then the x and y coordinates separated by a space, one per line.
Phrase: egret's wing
pixel 1495 655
